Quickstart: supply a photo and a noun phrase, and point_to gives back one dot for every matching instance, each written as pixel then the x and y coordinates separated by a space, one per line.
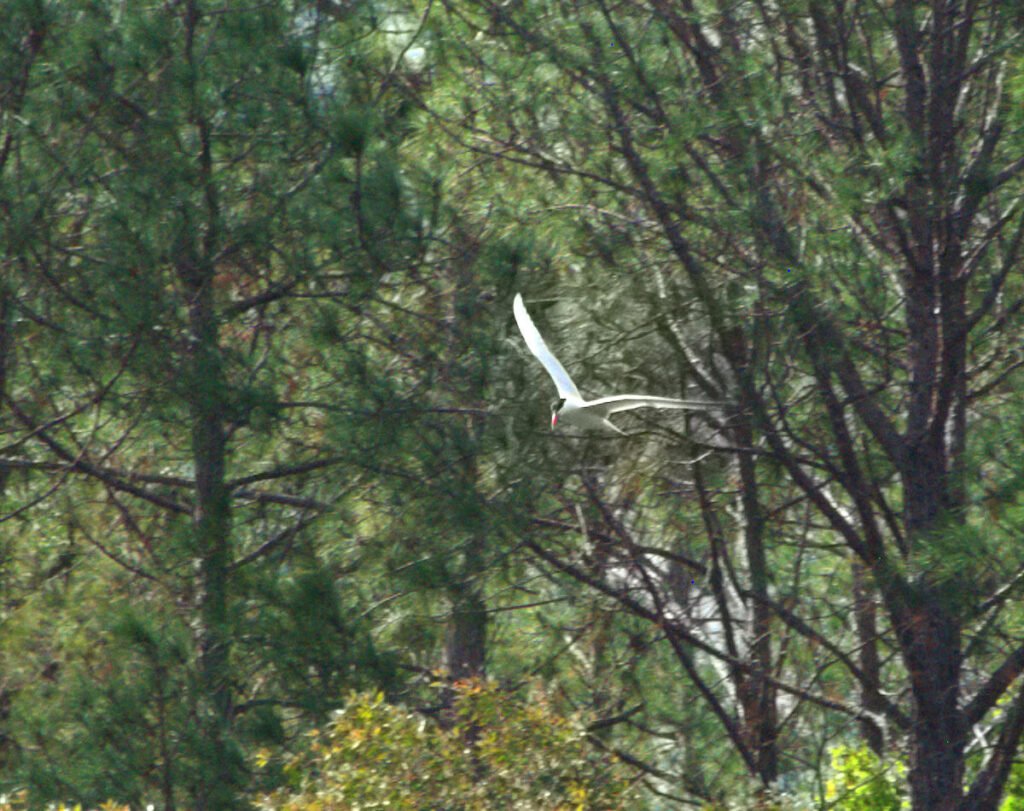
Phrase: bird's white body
pixel 571 408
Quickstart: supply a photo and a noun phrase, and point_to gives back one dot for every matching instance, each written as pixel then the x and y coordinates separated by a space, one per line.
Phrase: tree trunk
pixel 466 643
pixel 221 776
pixel 212 528
pixel 929 628
pixel 756 694
pixel 930 639
pixel 867 636
pixel 6 362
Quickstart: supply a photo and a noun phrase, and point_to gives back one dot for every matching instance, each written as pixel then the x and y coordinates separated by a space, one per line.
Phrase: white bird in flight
pixel 570 408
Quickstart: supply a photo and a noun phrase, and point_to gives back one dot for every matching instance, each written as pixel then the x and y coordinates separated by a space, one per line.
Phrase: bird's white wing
pixel 536 345
pixel 625 402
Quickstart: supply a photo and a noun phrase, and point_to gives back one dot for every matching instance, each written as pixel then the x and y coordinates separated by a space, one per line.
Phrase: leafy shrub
pixel 494 750
pixel 18 801
pixel 861 781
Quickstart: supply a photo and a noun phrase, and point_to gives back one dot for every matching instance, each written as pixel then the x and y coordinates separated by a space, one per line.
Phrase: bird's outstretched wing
pixel 566 388
pixel 625 402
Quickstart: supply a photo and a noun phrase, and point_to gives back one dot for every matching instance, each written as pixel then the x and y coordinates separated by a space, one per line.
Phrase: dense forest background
pixel 282 524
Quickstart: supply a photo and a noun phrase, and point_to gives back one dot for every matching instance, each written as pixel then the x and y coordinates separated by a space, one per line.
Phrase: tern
pixel 570 408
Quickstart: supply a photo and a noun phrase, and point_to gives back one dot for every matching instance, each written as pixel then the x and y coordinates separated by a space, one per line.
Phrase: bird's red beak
pixel 554 418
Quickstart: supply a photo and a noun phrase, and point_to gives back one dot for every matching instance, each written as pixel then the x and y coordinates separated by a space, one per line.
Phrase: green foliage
pixel 861 781
pixel 354 191
pixel 1014 799
pixel 113 713
pixel 18 802
pixel 492 750
pixel 177 164
pixel 319 646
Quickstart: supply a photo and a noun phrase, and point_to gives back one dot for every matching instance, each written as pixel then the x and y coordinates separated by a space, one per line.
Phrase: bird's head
pixel 556 406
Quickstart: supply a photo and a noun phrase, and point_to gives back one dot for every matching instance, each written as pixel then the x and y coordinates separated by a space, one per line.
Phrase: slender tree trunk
pixel 212 527
pixel 757 694
pixel 6 362
pixel 867 637
pixel 221 777
pixel 466 643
